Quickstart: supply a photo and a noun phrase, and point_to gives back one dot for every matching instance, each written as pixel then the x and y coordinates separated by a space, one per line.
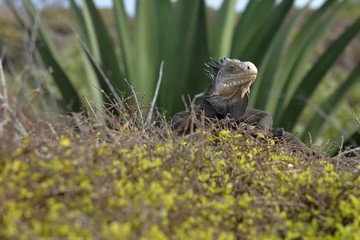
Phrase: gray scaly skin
pixel 227 96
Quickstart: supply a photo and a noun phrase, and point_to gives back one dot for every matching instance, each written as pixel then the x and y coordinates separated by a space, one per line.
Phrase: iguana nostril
pixel 248 68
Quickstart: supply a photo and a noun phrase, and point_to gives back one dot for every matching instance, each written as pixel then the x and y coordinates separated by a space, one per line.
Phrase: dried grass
pixel 126 179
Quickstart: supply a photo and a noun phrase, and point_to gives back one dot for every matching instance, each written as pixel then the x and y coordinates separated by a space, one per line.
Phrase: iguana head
pixel 231 76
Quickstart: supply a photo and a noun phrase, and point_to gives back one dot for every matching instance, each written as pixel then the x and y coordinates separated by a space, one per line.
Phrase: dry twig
pixel 353 150
pixel 151 109
pixel 8 114
pixel 137 102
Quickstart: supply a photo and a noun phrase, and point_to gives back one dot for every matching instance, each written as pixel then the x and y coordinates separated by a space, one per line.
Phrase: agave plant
pixel 267 33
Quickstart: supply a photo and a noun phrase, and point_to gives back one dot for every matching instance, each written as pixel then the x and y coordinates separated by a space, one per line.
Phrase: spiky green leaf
pixel 251 20
pixel 267 83
pixel 298 57
pixel 222 31
pixel 48 54
pixel 152 23
pixel 185 55
pixel 124 39
pixel 102 47
pixel 329 105
pixel 309 84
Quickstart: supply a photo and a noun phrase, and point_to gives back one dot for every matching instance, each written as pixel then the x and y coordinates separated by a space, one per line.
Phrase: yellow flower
pixel 224 134
pixel 64 141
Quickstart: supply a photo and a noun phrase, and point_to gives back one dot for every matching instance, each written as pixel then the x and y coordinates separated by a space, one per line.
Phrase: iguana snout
pixel 234 77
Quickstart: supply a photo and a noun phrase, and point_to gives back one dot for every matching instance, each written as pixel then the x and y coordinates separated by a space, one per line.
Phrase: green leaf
pixel 102 46
pixel 80 21
pixel 311 81
pixel 222 31
pixel 248 26
pixel 98 74
pixel 266 32
pixel 299 54
pixel 186 53
pixel 330 104
pixel 266 82
pixel 48 55
pixel 123 38
pixel 152 20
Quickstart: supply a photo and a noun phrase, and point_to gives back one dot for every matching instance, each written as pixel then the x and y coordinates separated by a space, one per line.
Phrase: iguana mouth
pixel 235 81
pixel 236 84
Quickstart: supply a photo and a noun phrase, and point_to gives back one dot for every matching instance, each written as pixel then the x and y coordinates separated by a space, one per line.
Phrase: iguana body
pixel 227 96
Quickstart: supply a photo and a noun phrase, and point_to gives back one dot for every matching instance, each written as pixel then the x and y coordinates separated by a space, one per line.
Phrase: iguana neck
pixel 233 107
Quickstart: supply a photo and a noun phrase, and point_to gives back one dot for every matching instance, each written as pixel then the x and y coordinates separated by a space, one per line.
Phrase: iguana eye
pixel 248 67
pixel 231 68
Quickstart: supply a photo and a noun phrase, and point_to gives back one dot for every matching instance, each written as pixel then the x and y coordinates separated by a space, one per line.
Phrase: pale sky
pixel 240 5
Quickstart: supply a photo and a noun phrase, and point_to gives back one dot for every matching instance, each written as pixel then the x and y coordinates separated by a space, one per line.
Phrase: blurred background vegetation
pixel 57 58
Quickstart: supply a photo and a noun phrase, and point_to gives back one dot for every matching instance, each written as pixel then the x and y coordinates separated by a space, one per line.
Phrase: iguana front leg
pixel 182 121
pixel 264 121
pixel 185 121
pixel 179 120
pixel 258 118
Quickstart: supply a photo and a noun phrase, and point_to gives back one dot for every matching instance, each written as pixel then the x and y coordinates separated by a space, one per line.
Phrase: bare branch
pixel 151 110
pixel 199 95
pixel 4 100
pixel 92 110
pixel 184 102
pixel 3 95
pixel 349 151
pixel 137 102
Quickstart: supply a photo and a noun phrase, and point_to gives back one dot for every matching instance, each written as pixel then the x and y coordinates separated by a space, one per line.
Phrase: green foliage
pixel 222 31
pixel 332 101
pixel 308 86
pixel 49 55
pixel 10 35
pixel 136 184
pixel 281 40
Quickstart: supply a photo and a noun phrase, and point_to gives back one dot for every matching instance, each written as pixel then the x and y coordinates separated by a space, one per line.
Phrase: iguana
pixel 227 96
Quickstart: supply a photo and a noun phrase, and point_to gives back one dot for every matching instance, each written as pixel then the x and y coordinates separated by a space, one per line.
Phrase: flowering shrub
pixel 140 185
